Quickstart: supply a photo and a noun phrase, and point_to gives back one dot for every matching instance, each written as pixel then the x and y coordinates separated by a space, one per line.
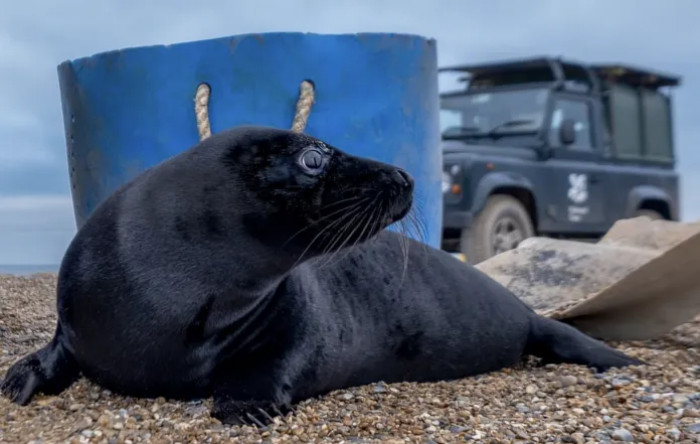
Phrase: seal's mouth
pixel 399 211
pixel 399 192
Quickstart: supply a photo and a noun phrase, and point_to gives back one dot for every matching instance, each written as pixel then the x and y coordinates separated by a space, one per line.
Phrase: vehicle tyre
pixel 653 215
pixel 500 226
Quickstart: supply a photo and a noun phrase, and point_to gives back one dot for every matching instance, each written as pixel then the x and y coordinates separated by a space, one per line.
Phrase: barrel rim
pixel 314 35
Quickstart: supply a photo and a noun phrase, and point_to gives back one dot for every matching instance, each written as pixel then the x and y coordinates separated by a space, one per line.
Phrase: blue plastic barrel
pixel 376 95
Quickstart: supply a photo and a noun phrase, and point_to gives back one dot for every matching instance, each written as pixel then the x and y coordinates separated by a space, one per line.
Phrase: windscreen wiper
pixel 459 131
pixel 507 124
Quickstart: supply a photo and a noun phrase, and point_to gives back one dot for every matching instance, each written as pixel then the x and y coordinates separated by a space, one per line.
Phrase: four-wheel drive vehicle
pixel 550 147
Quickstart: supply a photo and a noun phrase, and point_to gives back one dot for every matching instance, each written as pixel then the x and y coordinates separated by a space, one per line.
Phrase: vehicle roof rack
pixel 612 73
pixel 634 76
pixel 479 68
pixel 545 68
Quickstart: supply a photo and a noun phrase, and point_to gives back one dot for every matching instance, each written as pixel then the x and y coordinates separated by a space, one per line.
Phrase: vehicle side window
pixel 580 113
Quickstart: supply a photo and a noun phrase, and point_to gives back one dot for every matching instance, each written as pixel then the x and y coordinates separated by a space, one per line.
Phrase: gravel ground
pixel 564 403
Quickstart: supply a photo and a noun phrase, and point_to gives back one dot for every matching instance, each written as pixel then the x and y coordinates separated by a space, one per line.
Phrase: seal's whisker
pixel 372 217
pixel 403 233
pixel 409 224
pixel 339 219
pixel 342 210
pixel 332 204
pixel 365 213
pixel 417 209
pixel 417 215
pixel 323 230
pixel 360 193
pixel 420 222
pixel 401 225
pixel 416 222
pixel 316 222
pixel 360 189
pixel 333 253
pixel 338 235
pixel 363 200
pixel 405 245
pixel 349 236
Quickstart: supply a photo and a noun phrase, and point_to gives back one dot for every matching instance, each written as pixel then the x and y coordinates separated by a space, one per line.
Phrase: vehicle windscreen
pixel 492 114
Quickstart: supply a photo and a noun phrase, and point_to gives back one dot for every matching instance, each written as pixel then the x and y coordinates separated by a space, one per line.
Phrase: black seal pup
pixel 255 268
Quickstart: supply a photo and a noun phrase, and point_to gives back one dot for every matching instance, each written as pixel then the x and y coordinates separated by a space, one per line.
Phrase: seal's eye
pixel 312 160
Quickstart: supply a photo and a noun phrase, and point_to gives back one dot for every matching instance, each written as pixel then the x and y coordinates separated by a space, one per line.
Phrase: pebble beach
pixel 654 403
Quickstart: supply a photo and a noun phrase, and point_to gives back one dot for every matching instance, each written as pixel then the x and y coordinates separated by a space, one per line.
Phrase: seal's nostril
pixel 402 178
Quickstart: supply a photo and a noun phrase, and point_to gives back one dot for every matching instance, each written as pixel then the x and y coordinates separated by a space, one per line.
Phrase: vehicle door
pixel 574 195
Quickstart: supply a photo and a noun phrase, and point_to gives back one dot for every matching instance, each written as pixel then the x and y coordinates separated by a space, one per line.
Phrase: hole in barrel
pixel 205 86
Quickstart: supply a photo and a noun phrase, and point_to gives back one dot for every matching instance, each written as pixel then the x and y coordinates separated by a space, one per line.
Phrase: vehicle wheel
pixel 501 226
pixel 653 215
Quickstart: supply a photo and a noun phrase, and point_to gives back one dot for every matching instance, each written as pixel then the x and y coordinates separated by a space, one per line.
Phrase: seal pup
pixel 255 268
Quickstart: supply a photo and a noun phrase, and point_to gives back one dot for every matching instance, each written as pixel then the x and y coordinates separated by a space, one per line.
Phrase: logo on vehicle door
pixel 578 188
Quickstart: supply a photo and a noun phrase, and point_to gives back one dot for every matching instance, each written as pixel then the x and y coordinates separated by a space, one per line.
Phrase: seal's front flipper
pixel 49 370
pixel 556 342
pixel 254 396
pixel 247 412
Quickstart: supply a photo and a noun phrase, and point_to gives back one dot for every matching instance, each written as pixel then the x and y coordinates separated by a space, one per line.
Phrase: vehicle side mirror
pixel 567 132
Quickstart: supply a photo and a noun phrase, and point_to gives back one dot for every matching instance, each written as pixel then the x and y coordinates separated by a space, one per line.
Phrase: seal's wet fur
pixel 255 268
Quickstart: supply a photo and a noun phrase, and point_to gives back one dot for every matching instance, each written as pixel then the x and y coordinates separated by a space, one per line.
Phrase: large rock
pixel 641 280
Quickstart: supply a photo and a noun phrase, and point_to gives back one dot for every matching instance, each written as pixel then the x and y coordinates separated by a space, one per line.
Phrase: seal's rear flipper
pixel 556 342
pixel 49 370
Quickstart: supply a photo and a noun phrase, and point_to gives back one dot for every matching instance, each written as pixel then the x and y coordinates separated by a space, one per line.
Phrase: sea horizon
pixel 27 269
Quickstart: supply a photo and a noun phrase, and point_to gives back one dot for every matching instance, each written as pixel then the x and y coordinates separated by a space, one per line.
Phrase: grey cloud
pixel 35 229
pixel 35 179
pixel 36 35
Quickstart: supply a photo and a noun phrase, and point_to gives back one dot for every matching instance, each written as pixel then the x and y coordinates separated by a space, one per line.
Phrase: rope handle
pixel 301 116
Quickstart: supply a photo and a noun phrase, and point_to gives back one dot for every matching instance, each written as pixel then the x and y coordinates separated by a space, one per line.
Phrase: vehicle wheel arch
pixel 510 184
pixel 660 206
pixel 524 195
pixel 649 197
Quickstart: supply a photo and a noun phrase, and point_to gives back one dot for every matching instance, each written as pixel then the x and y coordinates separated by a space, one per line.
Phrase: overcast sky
pixel 36 218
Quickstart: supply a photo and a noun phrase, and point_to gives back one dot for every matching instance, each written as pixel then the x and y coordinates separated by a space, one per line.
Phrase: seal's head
pixel 299 193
